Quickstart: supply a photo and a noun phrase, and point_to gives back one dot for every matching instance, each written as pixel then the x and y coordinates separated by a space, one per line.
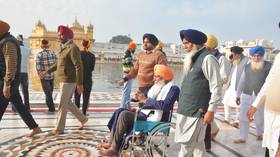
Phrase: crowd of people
pixel 250 84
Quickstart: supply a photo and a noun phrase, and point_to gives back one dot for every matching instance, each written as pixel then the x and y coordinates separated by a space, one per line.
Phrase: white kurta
pixel 230 95
pixel 271 120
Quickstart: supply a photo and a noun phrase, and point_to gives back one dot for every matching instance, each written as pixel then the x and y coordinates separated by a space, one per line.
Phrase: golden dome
pixel 76 26
pixel 40 25
pixel 90 26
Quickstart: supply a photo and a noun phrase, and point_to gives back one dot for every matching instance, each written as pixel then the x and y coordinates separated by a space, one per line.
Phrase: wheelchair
pixel 149 136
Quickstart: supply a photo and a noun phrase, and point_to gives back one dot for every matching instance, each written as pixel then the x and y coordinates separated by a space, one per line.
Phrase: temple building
pixel 40 32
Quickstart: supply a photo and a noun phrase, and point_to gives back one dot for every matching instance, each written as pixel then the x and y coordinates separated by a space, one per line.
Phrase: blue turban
pixel 193 36
pixel 152 38
pixel 257 50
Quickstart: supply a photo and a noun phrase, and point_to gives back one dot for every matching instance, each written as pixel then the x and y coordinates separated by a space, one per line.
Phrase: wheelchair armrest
pixel 152 114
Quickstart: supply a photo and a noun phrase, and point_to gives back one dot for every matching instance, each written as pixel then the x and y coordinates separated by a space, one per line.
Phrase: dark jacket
pixel 69 65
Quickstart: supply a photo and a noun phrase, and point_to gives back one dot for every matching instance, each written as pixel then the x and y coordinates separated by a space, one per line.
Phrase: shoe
pixel 239 141
pixel 83 124
pixel 34 132
pixel 213 135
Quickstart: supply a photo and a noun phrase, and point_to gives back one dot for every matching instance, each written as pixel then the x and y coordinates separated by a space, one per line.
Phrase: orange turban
pixel 132 45
pixel 163 71
pixel 65 31
pixel 4 27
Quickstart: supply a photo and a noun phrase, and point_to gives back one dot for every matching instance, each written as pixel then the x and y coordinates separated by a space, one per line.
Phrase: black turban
pixel 236 49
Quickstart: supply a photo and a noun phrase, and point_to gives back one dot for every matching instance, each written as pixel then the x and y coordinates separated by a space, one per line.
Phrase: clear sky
pixel 227 19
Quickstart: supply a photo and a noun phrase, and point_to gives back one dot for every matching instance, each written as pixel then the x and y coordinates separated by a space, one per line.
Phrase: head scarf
pixel 257 50
pixel 132 45
pixel 4 27
pixel 212 41
pixel 152 38
pixel 163 71
pixel 236 49
pixel 193 36
pixel 159 45
pixel 65 31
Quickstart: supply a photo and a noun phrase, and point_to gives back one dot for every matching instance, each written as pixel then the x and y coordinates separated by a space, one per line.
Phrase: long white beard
pixel 188 60
pixel 257 65
pixel 155 89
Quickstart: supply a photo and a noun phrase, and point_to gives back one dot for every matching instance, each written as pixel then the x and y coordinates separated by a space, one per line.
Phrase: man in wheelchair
pixel 162 96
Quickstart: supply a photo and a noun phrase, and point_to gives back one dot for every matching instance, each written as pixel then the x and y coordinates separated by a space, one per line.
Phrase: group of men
pixel 74 68
pixel 206 72
pixel 250 86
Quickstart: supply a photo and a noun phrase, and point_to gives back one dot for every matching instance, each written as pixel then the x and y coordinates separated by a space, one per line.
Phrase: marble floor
pixel 13 129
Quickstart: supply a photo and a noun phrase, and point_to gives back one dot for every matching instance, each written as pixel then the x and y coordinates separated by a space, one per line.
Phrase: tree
pixel 121 39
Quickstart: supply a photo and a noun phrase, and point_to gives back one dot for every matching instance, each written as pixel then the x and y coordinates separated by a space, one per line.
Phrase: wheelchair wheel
pixel 157 139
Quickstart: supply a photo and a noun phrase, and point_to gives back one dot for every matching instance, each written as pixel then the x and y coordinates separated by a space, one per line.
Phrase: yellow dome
pixel 76 26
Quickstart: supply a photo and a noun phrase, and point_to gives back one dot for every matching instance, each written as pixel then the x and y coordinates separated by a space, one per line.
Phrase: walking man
pixel 44 60
pixel 69 69
pixel 10 61
pixel 24 70
pixel 251 82
pixel 88 60
pixel 239 62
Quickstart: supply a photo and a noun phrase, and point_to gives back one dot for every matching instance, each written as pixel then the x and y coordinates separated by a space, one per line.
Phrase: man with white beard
pixel 162 96
pixel 251 81
pixel 269 97
pixel 239 61
pixel 200 94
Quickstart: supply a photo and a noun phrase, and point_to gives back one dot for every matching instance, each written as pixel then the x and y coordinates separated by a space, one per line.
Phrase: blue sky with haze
pixel 227 19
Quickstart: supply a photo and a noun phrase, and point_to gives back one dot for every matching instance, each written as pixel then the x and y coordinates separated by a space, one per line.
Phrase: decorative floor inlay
pixel 73 143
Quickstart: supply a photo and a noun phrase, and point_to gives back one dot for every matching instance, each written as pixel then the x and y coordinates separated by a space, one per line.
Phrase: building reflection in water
pixel 105 77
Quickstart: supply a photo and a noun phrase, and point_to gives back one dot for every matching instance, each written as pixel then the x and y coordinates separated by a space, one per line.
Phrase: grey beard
pixel 188 60
pixel 257 65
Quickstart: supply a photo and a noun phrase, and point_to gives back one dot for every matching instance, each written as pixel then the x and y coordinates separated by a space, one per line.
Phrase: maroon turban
pixel 65 31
